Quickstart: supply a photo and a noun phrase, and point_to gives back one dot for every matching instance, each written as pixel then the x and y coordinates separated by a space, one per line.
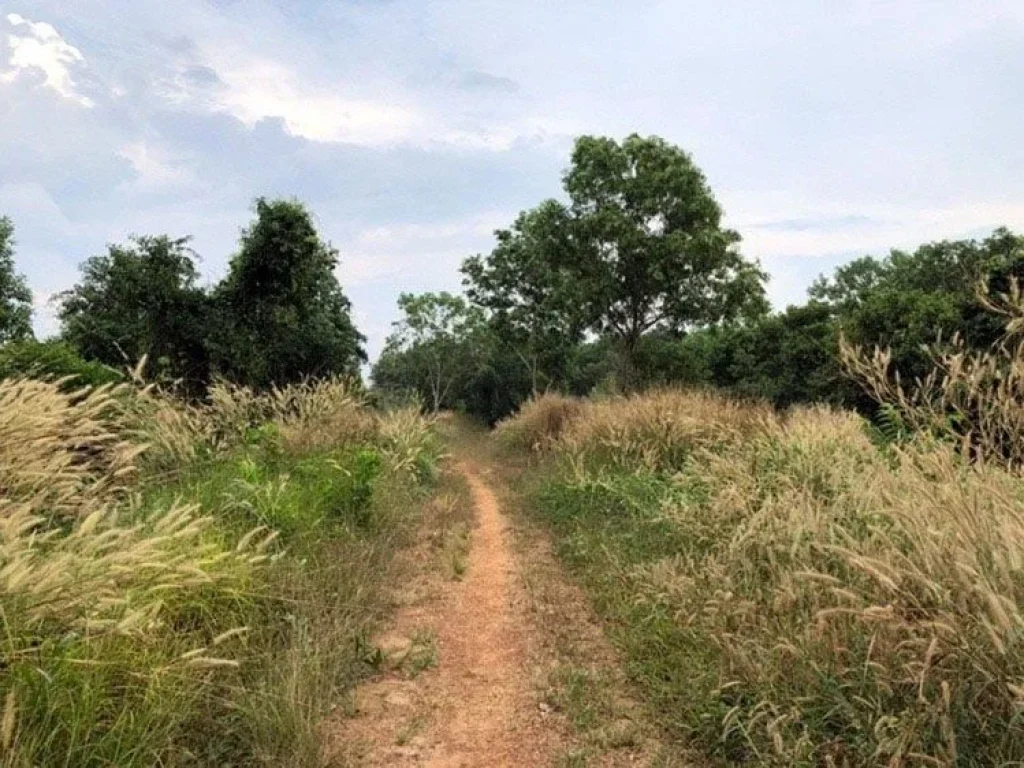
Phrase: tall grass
pixel 539 422
pixel 190 584
pixel 786 593
pixel 972 396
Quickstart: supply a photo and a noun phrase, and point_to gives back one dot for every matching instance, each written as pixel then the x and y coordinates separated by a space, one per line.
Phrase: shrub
pixel 53 361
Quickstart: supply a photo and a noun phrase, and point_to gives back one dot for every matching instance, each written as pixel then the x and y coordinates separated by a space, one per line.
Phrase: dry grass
pixel 539 422
pixel 793 596
pixel 659 429
pixel 833 582
pixel 60 453
pixel 141 629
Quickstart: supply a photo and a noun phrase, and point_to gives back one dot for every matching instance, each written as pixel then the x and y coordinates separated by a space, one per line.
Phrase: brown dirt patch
pixel 458 688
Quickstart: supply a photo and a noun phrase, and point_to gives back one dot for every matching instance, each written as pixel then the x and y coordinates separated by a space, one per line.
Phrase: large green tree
pixel 641 247
pixel 282 315
pixel 526 284
pixel 141 299
pixel 15 296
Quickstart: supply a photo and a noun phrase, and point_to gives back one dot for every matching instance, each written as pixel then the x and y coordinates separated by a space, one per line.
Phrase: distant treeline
pixel 278 316
pixel 631 282
pixel 634 283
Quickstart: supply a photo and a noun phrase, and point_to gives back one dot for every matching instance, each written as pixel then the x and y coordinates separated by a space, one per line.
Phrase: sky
pixel 414 128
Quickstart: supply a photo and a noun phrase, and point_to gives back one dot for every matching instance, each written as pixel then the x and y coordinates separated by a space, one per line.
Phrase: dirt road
pixel 476 706
pixel 471 665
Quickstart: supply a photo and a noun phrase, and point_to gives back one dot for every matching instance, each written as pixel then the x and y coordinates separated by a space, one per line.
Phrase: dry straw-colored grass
pixel 886 593
pixel 539 422
pixel 659 429
pixel 308 416
pixel 655 430
pixel 122 618
pixel 62 453
pixel 832 604
pixel 89 590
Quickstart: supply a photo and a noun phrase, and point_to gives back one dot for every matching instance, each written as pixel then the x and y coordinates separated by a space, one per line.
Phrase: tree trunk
pixel 627 374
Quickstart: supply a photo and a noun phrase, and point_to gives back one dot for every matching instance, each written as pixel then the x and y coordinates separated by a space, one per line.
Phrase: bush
pixel 53 361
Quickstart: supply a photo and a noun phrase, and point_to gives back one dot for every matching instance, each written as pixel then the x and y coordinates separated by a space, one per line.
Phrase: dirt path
pixel 487 714
pixel 478 706
pixel 493 657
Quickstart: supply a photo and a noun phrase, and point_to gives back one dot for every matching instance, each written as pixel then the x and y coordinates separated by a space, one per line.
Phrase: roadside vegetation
pixel 193 584
pixel 804 587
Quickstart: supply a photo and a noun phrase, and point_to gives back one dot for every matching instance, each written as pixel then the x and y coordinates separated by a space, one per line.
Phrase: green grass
pixel 308 614
pixel 604 529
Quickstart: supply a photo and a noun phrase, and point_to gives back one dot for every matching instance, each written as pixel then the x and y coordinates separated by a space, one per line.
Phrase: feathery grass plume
pixel 974 398
pixel 316 414
pixel 794 596
pixel 62 453
pixel 659 429
pixel 97 619
pixel 539 422
pixel 407 440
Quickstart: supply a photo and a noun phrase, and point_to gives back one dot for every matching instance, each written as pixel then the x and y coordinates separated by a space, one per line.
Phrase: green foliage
pixel 434 347
pixel 53 359
pixel 141 300
pixel 527 285
pixel 15 296
pixel 653 252
pixel 281 313
pixel 907 300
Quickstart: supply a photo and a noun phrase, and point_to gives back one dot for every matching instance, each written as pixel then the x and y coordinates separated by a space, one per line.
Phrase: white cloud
pixel 431 251
pixel 45 322
pixel 258 88
pixel 37 46
pixel 843 229
pixel 154 167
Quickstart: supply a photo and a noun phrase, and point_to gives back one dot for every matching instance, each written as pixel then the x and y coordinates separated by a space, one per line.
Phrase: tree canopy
pixel 15 296
pixel 526 283
pixel 141 299
pixel 436 343
pixel 281 311
pixel 640 247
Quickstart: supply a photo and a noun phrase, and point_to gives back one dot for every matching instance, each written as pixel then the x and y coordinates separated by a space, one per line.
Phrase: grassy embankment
pixel 784 591
pixel 193 585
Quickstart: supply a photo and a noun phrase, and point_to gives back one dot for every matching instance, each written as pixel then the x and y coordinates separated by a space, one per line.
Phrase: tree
pixel 15 296
pixel 907 299
pixel 281 311
pixel 438 341
pixel 526 284
pixel 141 299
